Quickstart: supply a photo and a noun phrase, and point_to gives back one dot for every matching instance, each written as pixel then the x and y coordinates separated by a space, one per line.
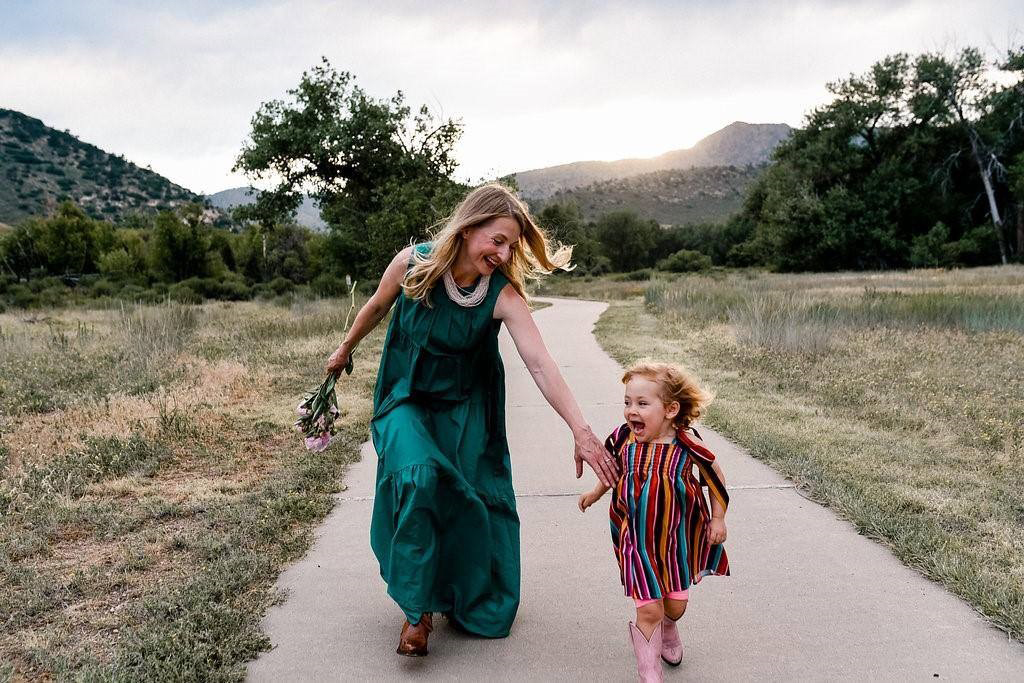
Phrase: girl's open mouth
pixel 637 426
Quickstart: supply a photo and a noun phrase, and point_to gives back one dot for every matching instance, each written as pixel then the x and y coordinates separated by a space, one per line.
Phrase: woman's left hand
pixel 590 450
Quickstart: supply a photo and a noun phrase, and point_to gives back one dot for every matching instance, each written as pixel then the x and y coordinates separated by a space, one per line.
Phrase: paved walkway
pixel 809 598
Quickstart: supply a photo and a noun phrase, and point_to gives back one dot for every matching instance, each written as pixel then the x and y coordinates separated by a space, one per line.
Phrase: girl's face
pixel 489 245
pixel 648 417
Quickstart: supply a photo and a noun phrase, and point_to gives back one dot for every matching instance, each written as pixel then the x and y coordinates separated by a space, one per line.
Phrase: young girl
pixel 665 537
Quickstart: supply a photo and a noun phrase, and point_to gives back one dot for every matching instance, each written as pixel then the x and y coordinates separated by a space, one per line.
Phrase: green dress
pixel 445 529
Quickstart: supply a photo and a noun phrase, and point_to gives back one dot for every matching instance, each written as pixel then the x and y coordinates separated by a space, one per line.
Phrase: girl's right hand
pixel 586 500
pixel 338 360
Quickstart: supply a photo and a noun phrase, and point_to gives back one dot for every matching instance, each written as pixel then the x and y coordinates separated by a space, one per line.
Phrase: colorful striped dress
pixel 659 515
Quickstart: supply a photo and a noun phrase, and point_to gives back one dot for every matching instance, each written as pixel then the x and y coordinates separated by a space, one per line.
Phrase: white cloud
pixel 539 84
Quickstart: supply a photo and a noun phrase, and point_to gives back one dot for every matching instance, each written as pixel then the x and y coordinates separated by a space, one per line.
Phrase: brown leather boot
pixel 413 642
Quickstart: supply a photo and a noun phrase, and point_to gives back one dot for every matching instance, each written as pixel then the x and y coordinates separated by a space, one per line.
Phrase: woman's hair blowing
pixel 539 257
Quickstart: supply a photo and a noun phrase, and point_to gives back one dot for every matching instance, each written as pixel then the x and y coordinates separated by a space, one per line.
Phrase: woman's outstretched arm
pixel 513 311
pixel 373 311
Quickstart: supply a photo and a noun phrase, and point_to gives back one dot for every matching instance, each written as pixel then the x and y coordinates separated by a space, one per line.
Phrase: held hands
pixel 590 450
pixel 716 531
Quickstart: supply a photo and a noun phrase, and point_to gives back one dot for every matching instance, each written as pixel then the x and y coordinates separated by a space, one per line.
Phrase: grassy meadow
pixel 151 487
pixel 895 398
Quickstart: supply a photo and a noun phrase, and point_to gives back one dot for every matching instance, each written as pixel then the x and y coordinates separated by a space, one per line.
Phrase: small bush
pixel 183 292
pixel 685 261
pixel 634 276
pixel 328 285
pixel 281 285
pixel 235 290
pixel 133 292
pixel 102 287
pixel 21 296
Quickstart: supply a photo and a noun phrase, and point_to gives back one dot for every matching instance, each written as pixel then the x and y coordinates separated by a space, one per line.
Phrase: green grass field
pixel 151 487
pixel 897 399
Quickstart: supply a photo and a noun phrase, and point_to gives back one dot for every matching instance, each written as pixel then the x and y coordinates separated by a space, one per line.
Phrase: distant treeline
pixel 918 162
pixel 70 256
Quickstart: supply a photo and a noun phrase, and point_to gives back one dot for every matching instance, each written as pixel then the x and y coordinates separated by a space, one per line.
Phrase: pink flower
pixel 318 443
pixel 302 410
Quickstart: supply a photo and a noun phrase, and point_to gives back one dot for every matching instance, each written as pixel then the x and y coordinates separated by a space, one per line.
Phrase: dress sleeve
pixel 613 444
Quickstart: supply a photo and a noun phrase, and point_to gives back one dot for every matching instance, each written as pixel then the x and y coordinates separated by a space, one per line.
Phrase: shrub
pixel 133 292
pixel 328 285
pixel 116 264
pixel 103 287
pixel 635 275
pixel 685 261
pixel 234 288
pixel 929 250
pixel 281 285
pixel 184 293
pixel 20 296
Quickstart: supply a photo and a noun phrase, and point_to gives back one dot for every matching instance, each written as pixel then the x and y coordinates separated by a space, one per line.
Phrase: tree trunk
pixel 986 179
pixel 1020 231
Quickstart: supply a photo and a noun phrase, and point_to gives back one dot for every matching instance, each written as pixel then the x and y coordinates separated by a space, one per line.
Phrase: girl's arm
pixel 592 496
pixel 513 311
pixel 716 508
pixel 716 529
pixel 373 311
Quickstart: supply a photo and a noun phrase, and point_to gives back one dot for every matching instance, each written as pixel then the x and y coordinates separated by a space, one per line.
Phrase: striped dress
pixel 659 515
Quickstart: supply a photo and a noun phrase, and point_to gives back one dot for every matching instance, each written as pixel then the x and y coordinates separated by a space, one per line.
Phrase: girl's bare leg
pixel 674 609
pixel 649 616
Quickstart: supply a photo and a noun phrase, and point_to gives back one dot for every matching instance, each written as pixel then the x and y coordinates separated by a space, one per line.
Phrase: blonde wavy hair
pixel 676 384
pixel 539 257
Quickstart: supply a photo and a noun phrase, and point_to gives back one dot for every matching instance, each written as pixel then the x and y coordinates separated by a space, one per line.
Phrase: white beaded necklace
pixel 465 300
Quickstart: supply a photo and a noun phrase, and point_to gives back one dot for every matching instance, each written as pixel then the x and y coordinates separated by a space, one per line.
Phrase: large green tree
pixel 956 92
pixel 179 246
pixel 67 243
pixel 564 223
pixel 380 172
pixel 629 241
pixel 908 146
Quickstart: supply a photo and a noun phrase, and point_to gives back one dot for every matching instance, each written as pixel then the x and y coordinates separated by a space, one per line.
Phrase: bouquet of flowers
pixel 318 411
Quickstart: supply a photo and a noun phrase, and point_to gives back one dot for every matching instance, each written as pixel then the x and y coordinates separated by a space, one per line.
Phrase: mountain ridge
pixel 738 144
pixel 701 194
pixel 41 166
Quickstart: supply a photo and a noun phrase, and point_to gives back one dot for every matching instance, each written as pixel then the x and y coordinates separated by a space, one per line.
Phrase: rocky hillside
pixel 675 197
pixel 738 144
pixel 39 166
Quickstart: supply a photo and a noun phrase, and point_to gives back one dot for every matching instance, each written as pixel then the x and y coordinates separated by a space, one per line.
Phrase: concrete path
pixel 809 599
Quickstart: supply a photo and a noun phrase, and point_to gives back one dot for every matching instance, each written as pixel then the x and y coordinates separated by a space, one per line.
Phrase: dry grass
pixel 151 486
pixel 897 399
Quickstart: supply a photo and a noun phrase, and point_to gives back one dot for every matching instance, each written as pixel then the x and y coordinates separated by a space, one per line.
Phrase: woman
pixel 444 526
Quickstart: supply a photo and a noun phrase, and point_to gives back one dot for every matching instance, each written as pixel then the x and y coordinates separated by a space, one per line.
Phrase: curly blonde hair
pixel 487 202
pixel 676 384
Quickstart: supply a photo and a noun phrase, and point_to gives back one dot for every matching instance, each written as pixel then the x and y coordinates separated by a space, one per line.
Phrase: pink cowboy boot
pixel 671 646
pixel 648 654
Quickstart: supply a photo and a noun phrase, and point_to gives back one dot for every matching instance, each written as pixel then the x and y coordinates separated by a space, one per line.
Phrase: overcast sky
pixel 536 83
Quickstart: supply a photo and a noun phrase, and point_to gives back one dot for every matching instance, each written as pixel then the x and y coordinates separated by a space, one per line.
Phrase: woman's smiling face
pixel 489 245
pixel 648 416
